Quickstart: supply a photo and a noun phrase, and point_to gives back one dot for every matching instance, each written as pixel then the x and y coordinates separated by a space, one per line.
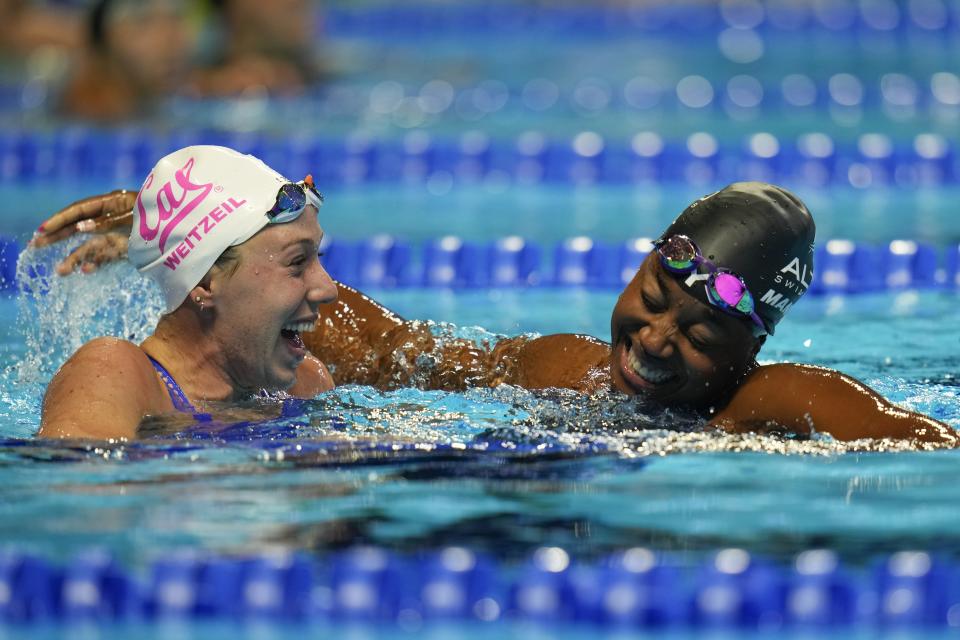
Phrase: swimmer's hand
pixel 96 214
pixel 98 250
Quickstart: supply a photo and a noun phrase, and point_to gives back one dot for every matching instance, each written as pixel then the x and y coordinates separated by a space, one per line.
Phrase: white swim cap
pixel 197 202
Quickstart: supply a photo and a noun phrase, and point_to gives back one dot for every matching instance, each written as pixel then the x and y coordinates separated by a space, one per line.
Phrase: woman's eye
pixel 652 304
pixel 698 343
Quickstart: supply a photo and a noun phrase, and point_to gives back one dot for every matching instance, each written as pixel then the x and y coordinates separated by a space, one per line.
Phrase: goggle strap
pixel 744 306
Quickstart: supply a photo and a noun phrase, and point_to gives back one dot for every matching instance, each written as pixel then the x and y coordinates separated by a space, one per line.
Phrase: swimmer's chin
pixel 277 385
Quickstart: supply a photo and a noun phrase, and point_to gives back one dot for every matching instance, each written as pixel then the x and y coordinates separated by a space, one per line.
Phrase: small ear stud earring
pixel 198 299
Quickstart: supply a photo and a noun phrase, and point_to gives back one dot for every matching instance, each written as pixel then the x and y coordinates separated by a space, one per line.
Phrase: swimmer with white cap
pixel 233 245
pixel 685 331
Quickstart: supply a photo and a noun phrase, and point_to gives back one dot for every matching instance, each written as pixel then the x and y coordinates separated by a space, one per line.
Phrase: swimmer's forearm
pixel 414 357
pixel 893 423
pixel 350 336
pixel 404 353
pixel 363 342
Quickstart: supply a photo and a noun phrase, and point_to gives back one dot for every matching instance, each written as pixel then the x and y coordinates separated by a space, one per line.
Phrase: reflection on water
pixel 503 470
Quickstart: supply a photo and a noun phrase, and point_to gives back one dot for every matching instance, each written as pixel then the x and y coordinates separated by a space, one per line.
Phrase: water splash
pixel 358 425
pixel 56 315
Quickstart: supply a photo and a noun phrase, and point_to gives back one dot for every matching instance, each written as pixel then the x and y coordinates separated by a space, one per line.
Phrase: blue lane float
pixel 842 266
pixel 637 588
pixel 890 98
pixel 816 159
pixel 9 254
pixel 382 261
pixel 932 19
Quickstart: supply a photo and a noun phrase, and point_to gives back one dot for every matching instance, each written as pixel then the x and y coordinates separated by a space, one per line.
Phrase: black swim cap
pixel 759 231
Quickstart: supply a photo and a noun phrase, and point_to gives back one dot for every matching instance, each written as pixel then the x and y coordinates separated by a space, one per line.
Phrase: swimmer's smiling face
pixel 670 346
pixel 273 295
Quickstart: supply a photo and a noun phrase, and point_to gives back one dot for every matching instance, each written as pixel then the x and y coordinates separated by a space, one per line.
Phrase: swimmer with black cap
pixel 689 325
pixel 685 331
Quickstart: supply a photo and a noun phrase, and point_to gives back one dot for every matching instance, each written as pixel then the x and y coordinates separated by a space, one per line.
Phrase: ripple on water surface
pixel 501 469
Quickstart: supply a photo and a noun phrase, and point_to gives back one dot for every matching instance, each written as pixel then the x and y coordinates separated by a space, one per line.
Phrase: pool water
pixel 500 470
pixel 547 213
pixel 505 471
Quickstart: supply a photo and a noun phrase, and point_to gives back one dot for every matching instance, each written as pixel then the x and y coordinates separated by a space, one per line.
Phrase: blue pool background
pixel 485 120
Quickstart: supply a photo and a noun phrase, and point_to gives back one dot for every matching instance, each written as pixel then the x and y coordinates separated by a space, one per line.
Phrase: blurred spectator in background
pixel 259 45
pixel 143 51
pixel 26 26
pixel 139 52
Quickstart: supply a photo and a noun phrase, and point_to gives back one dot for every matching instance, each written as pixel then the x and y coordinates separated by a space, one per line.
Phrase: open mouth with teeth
pixel 639 373
pixel 291 333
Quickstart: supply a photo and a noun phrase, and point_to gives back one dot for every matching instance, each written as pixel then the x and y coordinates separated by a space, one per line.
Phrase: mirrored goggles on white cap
pixel 292 199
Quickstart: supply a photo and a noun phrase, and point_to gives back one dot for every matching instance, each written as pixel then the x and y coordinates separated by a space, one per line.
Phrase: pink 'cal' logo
pixel 169 205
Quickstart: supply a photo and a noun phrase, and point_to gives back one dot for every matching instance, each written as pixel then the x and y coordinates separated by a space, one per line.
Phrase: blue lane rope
pixel 634 589
pixel 678 20
pixel 814 159
pixel 842 266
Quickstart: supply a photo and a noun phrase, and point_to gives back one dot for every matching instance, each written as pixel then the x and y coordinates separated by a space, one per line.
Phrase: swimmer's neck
pixel 726 394
pixel 193 358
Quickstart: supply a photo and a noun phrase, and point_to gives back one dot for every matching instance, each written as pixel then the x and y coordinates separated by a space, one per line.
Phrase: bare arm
pixel 102 391
pixel 804 398
pixel 363 342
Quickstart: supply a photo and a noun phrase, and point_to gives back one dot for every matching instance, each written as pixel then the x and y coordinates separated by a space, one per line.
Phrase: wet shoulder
pixel 105 350
pixel 103 390
pixel 312 378
pixel 770 376
pixel 114 366
pixel 804 399
pixel 785 393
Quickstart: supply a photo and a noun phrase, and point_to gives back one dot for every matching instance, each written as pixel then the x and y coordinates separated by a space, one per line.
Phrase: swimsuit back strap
pixel 179 399
pixel 293 407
